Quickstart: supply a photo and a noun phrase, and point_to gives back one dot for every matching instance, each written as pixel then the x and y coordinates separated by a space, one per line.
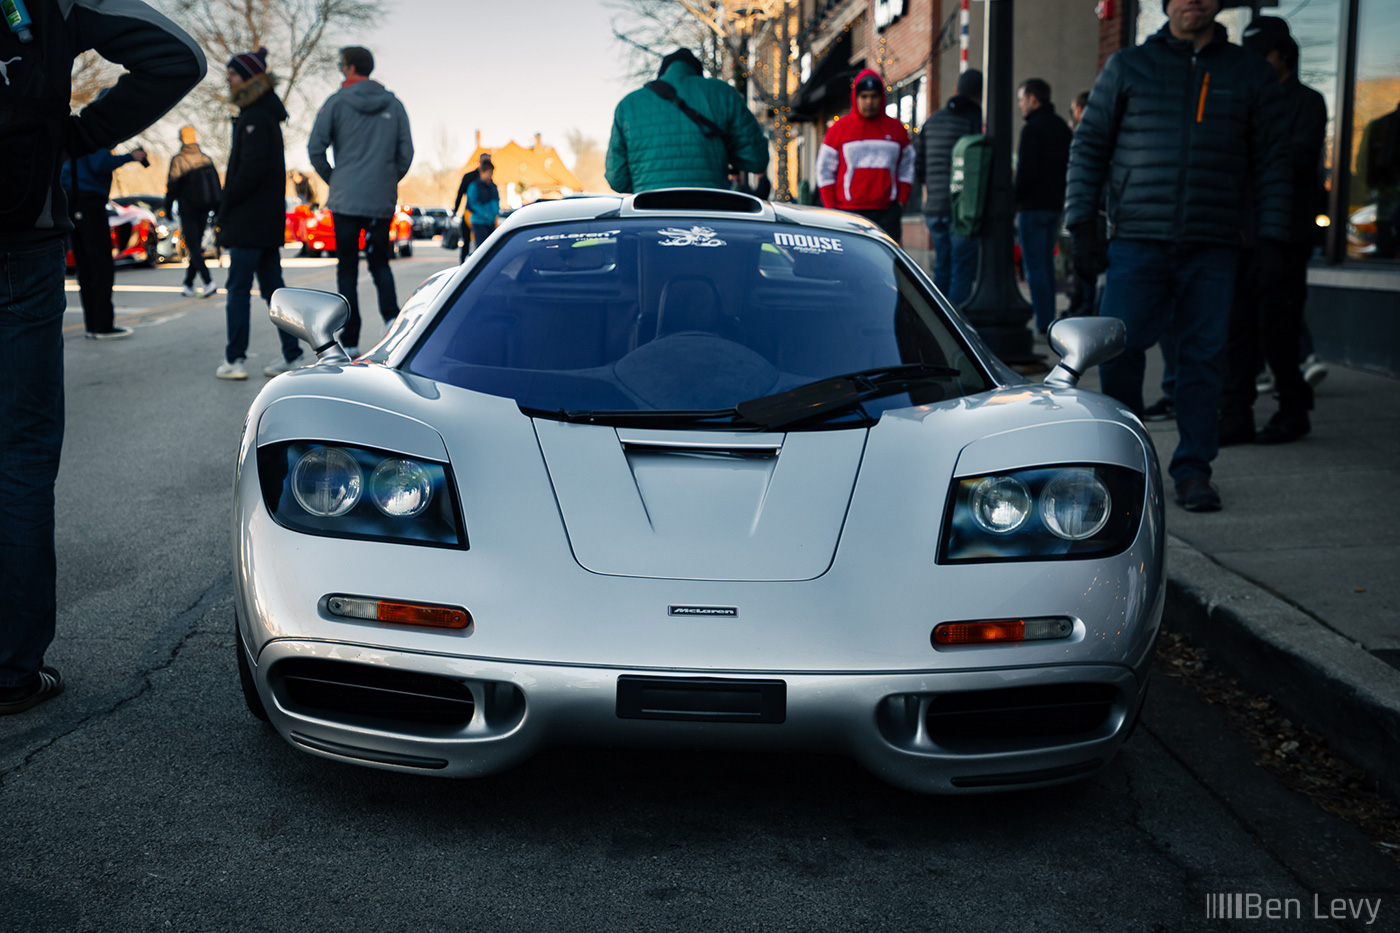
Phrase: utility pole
pixel 995 307
pixel 784 125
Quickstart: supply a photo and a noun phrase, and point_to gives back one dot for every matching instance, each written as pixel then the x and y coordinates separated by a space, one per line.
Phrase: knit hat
pixel 680 55
pixel 970 83
pixel 248 64
pixel 1267 33
pixel 870 83
pixel 1219 4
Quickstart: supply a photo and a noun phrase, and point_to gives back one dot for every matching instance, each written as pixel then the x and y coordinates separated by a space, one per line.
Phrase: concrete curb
pixel 1318 677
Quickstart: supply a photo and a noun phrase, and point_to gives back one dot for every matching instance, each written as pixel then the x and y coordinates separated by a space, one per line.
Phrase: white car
pixel 687 468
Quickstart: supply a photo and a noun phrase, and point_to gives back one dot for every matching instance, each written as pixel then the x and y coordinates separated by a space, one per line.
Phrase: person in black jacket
pixel 253 214
pixel 1041 160
pixel 37 134
pixel 1268 313
pixel 954 257
pixel 483 160
pixel 1185 134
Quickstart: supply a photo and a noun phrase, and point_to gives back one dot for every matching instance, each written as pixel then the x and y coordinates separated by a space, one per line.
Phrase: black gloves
pixel 1090 253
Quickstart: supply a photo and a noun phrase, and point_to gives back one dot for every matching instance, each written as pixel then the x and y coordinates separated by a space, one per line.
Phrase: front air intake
pixel 362 694
pixel 697 199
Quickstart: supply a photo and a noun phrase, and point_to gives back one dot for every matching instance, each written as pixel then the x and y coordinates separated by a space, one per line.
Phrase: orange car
pixel 318 233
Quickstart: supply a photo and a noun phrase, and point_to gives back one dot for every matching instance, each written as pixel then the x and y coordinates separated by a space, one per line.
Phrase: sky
pixel 509 69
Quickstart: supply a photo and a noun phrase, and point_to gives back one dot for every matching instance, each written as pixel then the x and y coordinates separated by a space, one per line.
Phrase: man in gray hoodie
pixel 367 127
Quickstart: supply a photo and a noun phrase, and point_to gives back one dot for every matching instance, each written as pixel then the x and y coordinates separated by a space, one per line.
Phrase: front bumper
pixel 1038 726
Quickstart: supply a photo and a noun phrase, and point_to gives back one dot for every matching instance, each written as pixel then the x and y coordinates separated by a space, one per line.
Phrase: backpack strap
pixel 708 127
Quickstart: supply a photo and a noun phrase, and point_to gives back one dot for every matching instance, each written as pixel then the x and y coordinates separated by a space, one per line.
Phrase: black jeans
pixel 1266 320
pixel 192 231
pixel 347 271
pixel 92 253
pixel 890 219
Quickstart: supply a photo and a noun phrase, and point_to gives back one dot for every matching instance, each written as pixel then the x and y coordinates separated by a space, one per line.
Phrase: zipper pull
pixel 1201 107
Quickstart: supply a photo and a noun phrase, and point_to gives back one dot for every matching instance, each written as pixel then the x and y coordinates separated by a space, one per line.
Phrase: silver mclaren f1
pixel 687 468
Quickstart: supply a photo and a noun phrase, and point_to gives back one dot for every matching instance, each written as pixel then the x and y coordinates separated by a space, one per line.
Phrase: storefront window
pixel 1373 228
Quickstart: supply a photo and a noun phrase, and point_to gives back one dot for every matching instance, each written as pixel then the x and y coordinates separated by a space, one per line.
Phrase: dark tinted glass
pixel 656 315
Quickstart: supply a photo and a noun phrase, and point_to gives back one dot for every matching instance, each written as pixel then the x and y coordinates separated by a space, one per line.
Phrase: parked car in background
pixel 170 245
pixel 687 468
pixel 420 222
pixel 441 219
pixel 299 214
pixel 318 233
pixel 135 235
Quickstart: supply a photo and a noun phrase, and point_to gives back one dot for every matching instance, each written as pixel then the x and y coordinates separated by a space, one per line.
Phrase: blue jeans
pixel 347 268
pixel 244 262
pixel 31 436
pixel 1158 288
pixel 954 259
pixel 1038 231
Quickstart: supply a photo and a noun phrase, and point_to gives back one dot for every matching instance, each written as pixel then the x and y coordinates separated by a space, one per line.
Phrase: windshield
pixel 670 316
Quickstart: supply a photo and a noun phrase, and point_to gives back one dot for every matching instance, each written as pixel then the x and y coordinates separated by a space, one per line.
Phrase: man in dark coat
pixel 1185 132
pixel 1268 313
pixel 253 215
pixel 1042 157
pixel 954 257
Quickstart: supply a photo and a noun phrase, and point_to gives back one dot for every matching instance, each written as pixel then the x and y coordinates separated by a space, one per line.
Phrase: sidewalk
pixel 1294 587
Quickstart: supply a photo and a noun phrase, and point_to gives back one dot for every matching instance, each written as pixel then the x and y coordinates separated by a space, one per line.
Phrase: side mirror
pixel 1082 343
pixel 314 316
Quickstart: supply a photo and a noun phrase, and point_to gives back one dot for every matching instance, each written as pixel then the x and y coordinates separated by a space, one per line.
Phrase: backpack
pixel 32 118
pixel 201 189
pixel 969 180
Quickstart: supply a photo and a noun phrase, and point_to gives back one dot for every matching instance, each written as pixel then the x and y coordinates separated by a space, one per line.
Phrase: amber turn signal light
pixel 398 612
pixel 974 633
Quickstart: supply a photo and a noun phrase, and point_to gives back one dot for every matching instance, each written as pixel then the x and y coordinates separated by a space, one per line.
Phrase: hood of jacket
pixel 257 92
pixel 962 105
pixel 368 97
pixel 678 71
pixel 871 72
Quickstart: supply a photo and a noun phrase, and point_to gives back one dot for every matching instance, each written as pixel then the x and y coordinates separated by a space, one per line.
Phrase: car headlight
pixel 342 491
pixel 1044 513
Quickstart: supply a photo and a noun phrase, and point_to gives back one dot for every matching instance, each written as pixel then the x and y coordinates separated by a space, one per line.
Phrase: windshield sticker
pixel 812 245
pixel 695 236
pixel 574 236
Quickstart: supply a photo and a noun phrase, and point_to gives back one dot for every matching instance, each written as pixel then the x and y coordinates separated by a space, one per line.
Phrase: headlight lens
pixel 1000 504
pixel 1075 504
pixel 341 491
pixel 401 488
pixel 327 482
pixel 1044 513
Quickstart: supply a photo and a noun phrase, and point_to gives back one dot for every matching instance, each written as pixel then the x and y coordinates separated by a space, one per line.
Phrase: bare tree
pixel 302 38
pixel 588 160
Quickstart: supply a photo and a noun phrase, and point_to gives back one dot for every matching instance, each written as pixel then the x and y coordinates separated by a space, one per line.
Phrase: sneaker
pixel 116 333
pixel 1314 370
pixel 1264 382
pixel 207 289
pixel 281 366
pixel 48 685
pixel 1284 428
pixel 1196 494
pixel 188 291
pixel 235 370
pixel 1164 409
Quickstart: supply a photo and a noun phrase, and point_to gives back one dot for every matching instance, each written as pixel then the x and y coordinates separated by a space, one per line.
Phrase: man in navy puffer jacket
pixel 1186 134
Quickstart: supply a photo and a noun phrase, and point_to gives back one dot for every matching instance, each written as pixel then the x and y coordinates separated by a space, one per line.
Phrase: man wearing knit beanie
pixel 367 127
pixel 1184 134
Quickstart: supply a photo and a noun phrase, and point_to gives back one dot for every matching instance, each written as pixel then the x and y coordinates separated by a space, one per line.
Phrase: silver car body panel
pixel 582 543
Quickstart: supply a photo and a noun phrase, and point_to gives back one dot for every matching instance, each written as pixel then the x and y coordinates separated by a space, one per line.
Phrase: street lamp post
pixel 996 308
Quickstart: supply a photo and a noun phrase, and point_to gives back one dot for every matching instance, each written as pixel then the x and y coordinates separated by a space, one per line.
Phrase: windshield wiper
pixel 840 393
pixel 726 417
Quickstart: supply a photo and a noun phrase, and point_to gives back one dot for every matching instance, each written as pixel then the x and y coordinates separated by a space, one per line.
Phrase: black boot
pixel 1284 427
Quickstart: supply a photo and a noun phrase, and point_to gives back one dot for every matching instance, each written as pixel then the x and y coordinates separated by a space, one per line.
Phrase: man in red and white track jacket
pixel 866 163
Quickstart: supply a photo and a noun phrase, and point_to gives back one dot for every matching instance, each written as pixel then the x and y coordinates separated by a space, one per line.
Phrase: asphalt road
pixel 147 798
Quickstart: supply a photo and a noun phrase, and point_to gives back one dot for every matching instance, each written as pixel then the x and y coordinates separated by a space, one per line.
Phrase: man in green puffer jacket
pixel 655 144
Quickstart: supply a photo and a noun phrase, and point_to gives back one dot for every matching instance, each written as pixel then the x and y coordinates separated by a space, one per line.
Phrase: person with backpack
pixel 37 134
pixel 193 184
pixel 682 130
